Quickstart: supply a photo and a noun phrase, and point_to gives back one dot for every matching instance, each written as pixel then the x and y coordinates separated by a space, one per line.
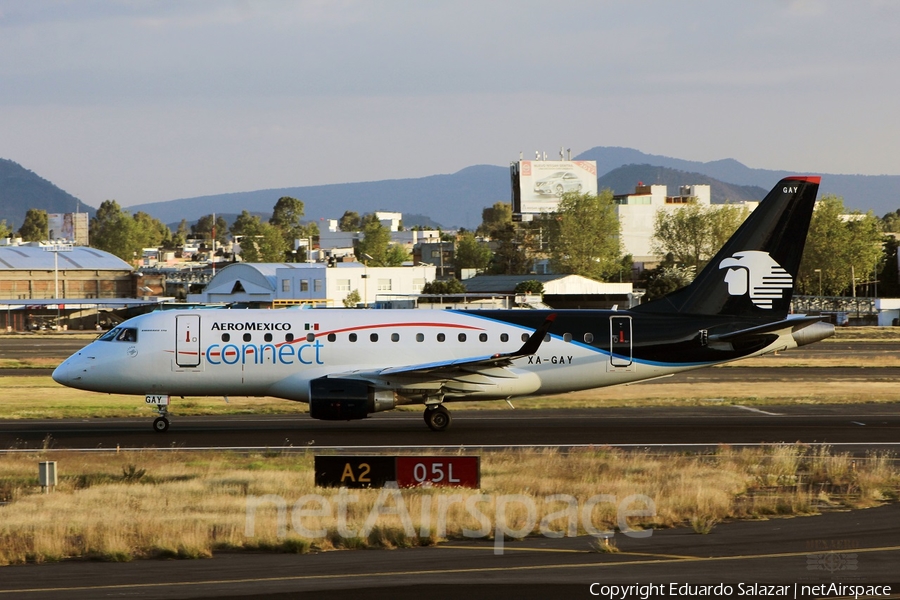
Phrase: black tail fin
pixel 753 274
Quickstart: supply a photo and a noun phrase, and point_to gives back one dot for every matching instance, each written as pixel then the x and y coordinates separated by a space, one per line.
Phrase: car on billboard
pixel 558 184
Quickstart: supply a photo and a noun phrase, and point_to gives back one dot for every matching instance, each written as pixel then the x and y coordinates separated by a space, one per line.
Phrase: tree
pixel 396 256
pixel 509 255
pixel 260 242
pixel 245 224
pixel 667 277
pixel 180 236
pixel 694 233
pixel 35 226
pixel 286 216
pixel 350 221
pixel 494 218
pixel 150 232
pixel 115 231
pixel 5 230
pixel 352 299
pixel 586 241
pixel 205 225
pixel 444 286
pixel 375 242
pixel 529 286
pixel 841 248
pixel 470 254
pixel 891 222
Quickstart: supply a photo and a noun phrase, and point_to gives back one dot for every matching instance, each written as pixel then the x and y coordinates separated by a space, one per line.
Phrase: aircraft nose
pixel 60 373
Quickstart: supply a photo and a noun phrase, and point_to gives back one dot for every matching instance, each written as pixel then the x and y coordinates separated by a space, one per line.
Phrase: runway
pixel 853 428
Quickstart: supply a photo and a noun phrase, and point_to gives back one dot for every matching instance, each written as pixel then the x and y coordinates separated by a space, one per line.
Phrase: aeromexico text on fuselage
pixel 251 326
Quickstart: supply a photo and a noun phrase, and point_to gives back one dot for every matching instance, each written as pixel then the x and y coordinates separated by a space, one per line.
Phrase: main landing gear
pixel 161 423
pixel 437 417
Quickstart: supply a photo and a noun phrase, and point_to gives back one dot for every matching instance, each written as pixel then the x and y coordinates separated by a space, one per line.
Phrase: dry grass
pixel 122 506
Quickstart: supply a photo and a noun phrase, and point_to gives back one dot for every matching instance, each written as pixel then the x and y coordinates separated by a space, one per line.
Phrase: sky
pixel 144 101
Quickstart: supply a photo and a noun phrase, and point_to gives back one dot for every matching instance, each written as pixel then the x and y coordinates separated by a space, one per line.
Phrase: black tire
pixel 438 418
pixel 160 425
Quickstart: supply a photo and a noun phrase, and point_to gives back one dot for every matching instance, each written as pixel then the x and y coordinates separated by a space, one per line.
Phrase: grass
pixel 119 507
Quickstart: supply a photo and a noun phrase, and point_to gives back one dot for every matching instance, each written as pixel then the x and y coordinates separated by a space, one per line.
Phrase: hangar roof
pixel 79 257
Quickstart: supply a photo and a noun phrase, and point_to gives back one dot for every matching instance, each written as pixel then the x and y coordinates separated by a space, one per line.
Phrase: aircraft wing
pixel 475 363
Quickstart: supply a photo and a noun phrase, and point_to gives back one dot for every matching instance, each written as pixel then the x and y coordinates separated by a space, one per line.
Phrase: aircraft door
pixel 620 341
pixel 187 340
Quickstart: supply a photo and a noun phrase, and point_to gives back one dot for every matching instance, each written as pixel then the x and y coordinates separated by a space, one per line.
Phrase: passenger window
pixel 373 337
pixel 395 337
pixel 226 337
pixel 461 337
pixel 331 337
pixel 352 337
pixel 441 337
pixel 247 337
pixel 546 338
pixel 504 337
pixel 588 338
pixel 567 337
pixel 310 337
pixel 289 337
pixel 420 337
pixel 525 337
pixel 482 337
pixel 268 337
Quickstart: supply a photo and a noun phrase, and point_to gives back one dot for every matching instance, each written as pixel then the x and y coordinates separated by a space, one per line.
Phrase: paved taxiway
pixel 859 547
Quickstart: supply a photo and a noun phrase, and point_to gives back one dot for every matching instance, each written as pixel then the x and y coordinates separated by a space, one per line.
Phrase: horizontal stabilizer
pixel 794 324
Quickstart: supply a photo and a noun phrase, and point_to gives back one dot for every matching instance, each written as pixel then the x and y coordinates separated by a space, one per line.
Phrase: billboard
pixel 71 227
pixel 539 184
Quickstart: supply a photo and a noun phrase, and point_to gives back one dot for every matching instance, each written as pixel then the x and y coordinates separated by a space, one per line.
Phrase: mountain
pixel 623 180
pixel 21 189
pixel 453 200
pixel 456 199
pixel 878 193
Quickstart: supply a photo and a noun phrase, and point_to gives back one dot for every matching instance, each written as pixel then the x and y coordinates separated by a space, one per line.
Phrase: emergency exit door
pixel 187 340
pixel 620 341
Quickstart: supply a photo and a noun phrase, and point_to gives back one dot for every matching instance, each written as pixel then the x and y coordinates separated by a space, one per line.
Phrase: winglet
pixel 534 342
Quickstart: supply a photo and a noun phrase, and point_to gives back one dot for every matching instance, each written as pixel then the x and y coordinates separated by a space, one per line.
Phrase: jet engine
pixel 347 399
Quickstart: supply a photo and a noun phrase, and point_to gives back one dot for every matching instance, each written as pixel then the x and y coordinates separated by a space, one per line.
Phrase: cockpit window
pixel 119 334
pixel 110 335
pixel 127 335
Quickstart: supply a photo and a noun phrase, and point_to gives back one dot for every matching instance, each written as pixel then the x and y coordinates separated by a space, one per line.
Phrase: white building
pixel 316 283
pixel 637 214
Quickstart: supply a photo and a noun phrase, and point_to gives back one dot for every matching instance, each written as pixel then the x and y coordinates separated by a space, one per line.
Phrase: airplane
pixel 348 364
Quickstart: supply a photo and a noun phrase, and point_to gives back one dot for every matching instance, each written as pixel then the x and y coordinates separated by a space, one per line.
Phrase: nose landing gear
pixel 161 402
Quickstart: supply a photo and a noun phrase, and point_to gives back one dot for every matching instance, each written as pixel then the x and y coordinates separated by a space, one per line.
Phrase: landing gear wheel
pixel 160 425
pixel 437 418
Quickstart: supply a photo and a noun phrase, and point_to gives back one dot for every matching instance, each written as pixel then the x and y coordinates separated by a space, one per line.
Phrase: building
pixel 561 291
pixel 45 286
pixel 34 270
pixel 637 213
pixel 272 284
